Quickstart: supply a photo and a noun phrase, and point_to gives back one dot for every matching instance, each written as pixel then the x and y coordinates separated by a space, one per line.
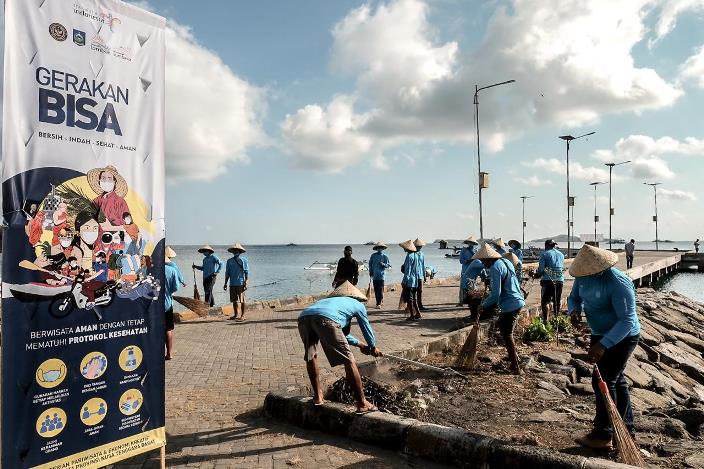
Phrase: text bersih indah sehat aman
pixel 591 260
pixel 347 289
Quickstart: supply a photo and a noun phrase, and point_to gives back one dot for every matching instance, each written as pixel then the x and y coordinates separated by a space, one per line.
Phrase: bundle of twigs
pixel 468 354
pixel 197 306
pixel 628 452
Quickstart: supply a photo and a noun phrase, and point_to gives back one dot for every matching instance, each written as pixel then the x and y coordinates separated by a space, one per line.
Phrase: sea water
pixel 689 284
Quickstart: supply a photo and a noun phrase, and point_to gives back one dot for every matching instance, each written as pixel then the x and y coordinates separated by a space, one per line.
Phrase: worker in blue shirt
pixel 498 245
pixel 328 322
pixel 237 273
pixel 378 264
pixel 410 280
pixel 504 292
pixel 607 298
pixel 173 280
pixel 551 274
pixel 515 247
pixel 471 248
pixel 210 268
pixel 420 271
pixel 472 288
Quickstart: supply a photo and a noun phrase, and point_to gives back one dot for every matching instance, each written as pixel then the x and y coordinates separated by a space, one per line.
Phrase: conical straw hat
pixel 237 247
pixel 498 242
pixel 169 252
pixel 380 245
pixel 408 245
pixel 93 177
pixel 419 243
pixel 486 252
pixel 470 240
pixel 591 260
pixel 512 258
pixel 347 289
pixel 206 248
pixel 514 242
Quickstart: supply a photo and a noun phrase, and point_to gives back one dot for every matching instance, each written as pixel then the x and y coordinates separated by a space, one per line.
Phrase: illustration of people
pixel 60 220
pixel 133 241
pixel 87 228
pixel 86 413
pixel 101 409
pixel 100 267
pixel 111 188
pixel 95 367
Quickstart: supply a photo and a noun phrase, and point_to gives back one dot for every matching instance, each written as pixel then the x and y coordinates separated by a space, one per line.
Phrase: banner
pixel 83 245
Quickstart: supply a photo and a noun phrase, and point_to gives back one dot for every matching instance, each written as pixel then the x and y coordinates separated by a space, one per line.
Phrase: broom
pixel 628 452
pixel 468 354
pixel 369 289
pixel 197 306
pixel 196 294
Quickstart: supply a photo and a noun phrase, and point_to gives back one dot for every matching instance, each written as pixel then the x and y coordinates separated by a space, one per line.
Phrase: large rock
pixel 676 356
pixel 550 387
pixel 546 417
pixel 561 381
pixel 567 371
pixel 555 357
pixel 582 368
pixel 637 375
pixel 693 420
pixel 584 389
pixel 664 426
pixel 647 400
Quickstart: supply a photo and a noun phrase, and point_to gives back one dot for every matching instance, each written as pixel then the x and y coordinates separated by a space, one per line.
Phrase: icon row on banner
pixel 53 371
pixel 52 421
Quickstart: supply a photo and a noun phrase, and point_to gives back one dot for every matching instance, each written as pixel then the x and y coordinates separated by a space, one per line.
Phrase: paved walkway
pixel 222 370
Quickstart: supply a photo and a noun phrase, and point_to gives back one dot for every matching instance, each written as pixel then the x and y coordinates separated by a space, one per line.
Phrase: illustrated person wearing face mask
pixel 133 239
pixel 111 189
pixel 607 298
pixel 100 267
pixel 87 228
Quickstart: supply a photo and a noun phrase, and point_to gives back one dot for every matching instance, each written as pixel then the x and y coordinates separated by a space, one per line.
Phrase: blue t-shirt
pixel 172 282
pixel 551 265
pixel 608 300
pixel 378 263
pixel 504 289
pixel 342 309
pixel 236 270
pixel 211 265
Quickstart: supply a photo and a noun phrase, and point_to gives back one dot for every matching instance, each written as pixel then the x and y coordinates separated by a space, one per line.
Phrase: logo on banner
pixel 99 44
pixel 79 37
pixel 123 52
pixel 58 31
pixel 102 17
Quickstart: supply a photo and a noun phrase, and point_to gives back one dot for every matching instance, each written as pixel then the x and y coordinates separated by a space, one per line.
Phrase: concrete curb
pixel 446 445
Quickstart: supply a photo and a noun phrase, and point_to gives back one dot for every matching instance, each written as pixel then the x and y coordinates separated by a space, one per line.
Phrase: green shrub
pixel 538 331
pixel 561 323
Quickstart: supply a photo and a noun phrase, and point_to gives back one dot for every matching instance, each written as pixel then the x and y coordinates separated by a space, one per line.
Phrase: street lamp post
pixel 655 185
pixel 611 208
pixel 479 159
pixel 596 217
pixel 524 197
pixel 568 139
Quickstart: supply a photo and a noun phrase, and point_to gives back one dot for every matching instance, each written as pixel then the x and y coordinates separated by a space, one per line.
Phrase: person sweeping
pixel 409 284
pixel 607 298
pixel 210 268
pixel 504 292
pixel 420 271
pixel 471 248
pixel 327 322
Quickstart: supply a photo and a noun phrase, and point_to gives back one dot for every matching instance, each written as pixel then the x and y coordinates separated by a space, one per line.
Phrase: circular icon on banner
pixel 130 358
pixel 130 401
pixel 58 31
pixel 94 365
pixel 51 422
pixel 51 373
pixel 93 411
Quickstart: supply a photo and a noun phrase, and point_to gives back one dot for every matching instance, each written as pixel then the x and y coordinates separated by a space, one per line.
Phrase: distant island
pixel 370 243
pixel 559 238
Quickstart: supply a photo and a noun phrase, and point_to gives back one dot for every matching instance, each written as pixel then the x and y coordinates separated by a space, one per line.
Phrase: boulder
pixel 637 375
pixel 548 386
pixel 567 371
pixel 555 357
pixel 584 389
pixel 561 381
pixel 665 426
pixel 582 368
pixel 695 460
pixel 647 400
pixel 693 419
pixel 546 417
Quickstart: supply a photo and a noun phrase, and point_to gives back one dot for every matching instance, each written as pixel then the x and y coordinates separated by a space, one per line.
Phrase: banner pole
pixel 163 457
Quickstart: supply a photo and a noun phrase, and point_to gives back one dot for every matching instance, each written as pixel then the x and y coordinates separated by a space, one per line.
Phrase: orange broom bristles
pixel 628 451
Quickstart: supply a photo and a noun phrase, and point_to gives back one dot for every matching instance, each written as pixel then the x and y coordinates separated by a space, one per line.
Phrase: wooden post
pixel 163 457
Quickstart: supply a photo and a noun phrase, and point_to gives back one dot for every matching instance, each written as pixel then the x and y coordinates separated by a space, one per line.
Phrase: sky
pixel 347 121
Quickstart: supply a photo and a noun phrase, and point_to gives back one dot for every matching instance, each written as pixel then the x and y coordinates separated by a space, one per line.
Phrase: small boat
pixel 322 266
pixel 291 244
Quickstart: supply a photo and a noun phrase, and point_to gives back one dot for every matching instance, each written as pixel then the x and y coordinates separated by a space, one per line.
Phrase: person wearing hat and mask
pixel 515 247
pixel 607 298
pixel 328 322
pixel 551 274
pixel 409 283
pixel 505 292
pixel 420 271
pixel 111 188
pixel 471 248
pixel 173 280
pixel 347 269
pixel 210 268
pixel 237 272
pixel 498 245
pixel 378 263
pixel 476 269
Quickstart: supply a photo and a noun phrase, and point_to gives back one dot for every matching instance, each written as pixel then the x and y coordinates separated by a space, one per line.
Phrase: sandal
pixel 367 411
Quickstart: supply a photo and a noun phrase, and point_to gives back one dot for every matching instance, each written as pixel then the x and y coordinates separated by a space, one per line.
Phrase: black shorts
pixel 169 319
pixel 507 321
pixel 237 294
pixel 550 291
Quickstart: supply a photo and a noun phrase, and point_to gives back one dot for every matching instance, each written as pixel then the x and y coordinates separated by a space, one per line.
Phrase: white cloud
pixel 669 11
pixel 646 154
pixel 577 170
pixel 533 181
pixel 212 115
pixel 572 61
pixel 693 68
pixel 677 194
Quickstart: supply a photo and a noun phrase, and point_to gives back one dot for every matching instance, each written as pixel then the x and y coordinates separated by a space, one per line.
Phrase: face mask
pixel 74 265
pixel 65 242
pixel 128 220
pixel 107 186
pixel 89 236
pixel 49 376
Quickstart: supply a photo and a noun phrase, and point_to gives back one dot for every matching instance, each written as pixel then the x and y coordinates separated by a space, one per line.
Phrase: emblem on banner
pixel 79 37
pixel 58 31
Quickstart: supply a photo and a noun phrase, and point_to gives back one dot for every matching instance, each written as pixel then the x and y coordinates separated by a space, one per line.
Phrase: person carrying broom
pixel 237 273
pixel 504 292
pixel 607 297
pixel 173 280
